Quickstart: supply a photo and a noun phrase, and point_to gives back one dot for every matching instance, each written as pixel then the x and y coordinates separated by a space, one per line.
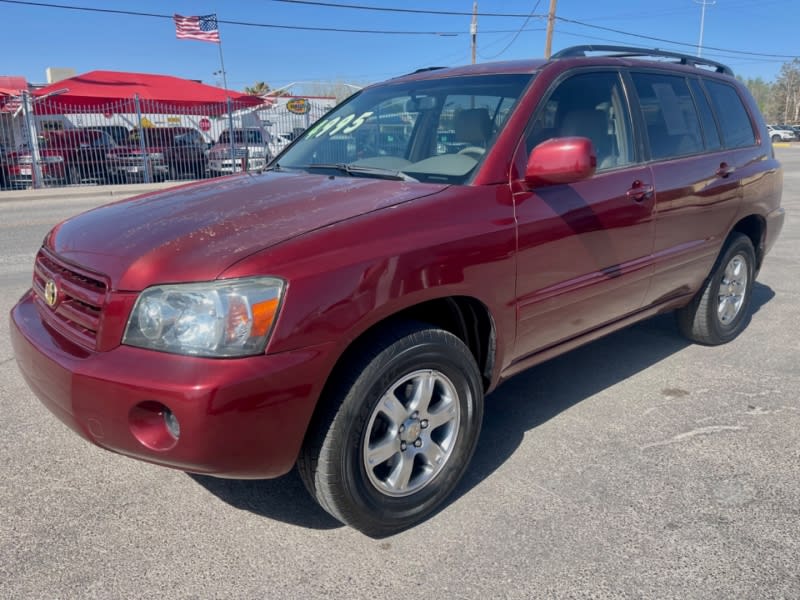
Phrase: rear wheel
pixel 718 313
pixel 397 432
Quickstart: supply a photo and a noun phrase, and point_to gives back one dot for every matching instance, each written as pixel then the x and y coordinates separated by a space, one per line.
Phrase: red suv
pixel 172 152
pixel 68 156
pixel 348 310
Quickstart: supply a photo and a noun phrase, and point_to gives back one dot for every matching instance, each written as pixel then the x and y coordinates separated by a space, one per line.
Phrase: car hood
pixel 195 232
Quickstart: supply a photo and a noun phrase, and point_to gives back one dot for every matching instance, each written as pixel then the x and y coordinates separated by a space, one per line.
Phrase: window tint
pixel 710 132
pixel 588 105
pixel 737 130
pixel 673 127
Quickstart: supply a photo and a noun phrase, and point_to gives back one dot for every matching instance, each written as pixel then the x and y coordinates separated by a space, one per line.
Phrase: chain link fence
pixel 44 143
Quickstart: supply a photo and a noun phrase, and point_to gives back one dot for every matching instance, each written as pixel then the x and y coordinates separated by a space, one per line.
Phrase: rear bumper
pixel 242 418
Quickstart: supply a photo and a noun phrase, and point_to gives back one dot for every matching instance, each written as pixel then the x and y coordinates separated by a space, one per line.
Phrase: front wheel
pixel 776 138
pixel 397 431
pixel 718 313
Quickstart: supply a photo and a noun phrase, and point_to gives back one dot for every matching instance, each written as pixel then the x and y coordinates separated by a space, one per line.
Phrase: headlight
pixel 219 318
pixel 156 156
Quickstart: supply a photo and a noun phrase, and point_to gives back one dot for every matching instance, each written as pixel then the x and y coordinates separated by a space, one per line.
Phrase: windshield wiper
pixel 355 170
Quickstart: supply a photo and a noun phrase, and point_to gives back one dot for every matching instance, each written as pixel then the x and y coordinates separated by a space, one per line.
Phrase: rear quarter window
pixel 737 129
pixel 669 114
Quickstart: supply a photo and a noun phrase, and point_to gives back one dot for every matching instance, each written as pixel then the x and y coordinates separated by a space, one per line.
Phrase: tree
pixel 762 92
pixel 786 94
pixel 259 88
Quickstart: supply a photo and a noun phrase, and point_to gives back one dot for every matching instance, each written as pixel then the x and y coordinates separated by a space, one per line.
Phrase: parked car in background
pixel 169 153
pixel 249 151
pixel 347 311
pixel 793 128
pixel 780 133
pixel 118 133
pixel 68 156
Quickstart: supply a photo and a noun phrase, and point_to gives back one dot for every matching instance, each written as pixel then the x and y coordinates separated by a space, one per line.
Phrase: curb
pixel 111 191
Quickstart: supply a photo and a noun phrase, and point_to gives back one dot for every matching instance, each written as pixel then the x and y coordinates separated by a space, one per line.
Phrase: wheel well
pixel 753 227
pixel 465 317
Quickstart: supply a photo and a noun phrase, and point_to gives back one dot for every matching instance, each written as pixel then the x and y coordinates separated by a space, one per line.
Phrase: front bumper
pixel 137 171
pixel 237 165
pixel 239 418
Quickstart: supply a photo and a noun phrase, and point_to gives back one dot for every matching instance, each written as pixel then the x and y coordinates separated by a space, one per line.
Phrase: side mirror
pixel 561 160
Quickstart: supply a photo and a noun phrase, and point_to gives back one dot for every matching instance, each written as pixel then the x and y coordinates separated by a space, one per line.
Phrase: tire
pixel 776 138
pixel 380 458
pixel 720 310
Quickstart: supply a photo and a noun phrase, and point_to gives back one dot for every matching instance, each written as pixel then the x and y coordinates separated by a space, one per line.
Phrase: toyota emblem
pixel 51 293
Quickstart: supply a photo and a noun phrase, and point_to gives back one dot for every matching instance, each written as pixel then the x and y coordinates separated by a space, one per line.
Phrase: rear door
pixel 696 180
pixel 583 249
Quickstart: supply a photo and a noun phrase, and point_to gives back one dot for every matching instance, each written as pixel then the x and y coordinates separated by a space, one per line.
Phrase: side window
pixel 710 132
pixel 737 130
pixel 588 105
pixel 670 116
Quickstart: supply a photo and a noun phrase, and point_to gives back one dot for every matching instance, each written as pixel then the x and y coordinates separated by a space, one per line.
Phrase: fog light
pixel 171 421
pixel 154 425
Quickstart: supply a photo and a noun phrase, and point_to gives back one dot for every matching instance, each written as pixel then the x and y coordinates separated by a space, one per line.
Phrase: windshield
pixel 435 131
pixel 250 136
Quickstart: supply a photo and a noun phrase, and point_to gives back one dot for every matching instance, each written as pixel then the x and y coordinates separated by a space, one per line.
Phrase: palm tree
pixel 259 88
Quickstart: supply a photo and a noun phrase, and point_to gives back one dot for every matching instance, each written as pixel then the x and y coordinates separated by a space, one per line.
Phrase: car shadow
pixel 519 405
pixel 282 499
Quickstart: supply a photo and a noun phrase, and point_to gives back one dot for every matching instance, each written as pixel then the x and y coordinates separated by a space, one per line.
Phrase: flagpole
pixel 222 63
pixel 229 104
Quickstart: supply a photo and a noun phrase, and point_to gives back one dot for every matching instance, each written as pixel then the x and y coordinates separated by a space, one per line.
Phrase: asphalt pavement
pixel 639 466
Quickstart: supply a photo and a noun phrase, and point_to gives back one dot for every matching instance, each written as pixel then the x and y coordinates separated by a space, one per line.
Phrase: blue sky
pixel 35 38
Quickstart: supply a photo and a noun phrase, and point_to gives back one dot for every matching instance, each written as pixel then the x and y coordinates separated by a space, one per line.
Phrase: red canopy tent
pixel 10 87
pixel 96 89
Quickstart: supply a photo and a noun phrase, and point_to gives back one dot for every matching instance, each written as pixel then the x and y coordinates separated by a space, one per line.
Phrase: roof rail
pixel 630 51
pixel 422 70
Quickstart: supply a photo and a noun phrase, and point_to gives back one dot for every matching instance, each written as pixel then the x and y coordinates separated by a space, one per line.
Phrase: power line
pixel 394 32
pixel 416 11
pixel 519 15
pixel 516 35
pixel 239 23
pixel 664 40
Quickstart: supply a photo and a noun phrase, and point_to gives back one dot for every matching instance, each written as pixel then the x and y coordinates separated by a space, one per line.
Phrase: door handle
pixel 640 191
pixel 724 170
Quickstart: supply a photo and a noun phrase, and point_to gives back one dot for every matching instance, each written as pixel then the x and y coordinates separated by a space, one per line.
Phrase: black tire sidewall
pixel 386 512
pixel 726 332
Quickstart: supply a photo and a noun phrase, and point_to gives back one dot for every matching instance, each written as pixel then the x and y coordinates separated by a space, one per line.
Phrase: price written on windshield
pixel 346 124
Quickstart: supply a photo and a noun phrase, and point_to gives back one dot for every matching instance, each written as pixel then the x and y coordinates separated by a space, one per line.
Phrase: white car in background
pixel 779 134
pixel 249 151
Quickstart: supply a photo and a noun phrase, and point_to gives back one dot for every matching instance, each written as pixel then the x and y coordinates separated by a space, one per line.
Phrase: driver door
pixel 584 249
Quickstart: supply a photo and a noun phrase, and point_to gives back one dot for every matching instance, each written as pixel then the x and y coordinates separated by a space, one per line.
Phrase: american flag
pixel 203 28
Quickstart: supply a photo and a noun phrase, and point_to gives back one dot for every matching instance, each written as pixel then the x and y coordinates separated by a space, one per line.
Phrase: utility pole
pixel 473 29
pixel 703 3
pixel 551 21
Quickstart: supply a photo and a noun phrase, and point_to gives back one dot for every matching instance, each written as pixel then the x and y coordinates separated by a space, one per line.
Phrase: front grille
pixel 79 301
